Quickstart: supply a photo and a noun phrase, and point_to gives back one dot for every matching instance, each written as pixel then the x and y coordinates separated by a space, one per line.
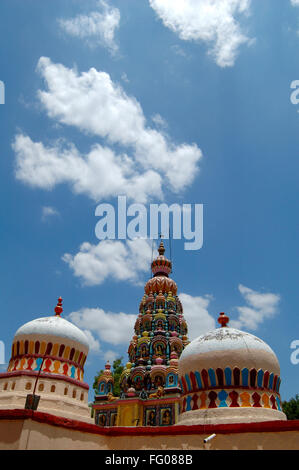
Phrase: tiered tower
pixel 160 334
pixel 150 390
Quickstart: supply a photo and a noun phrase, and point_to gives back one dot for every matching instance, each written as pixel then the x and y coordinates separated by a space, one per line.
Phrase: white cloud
pixel 260 306
pixel 111 356
pixel 179 51
pixel 210 21
pixel 124 77
pixel 196 313
pixel 96 105
pixel 48 212
pixel 121 261
pixel 113 328
pixel 295 3
pixel 159 120
pixel 94 344
pixel 99 174
pixel 97 28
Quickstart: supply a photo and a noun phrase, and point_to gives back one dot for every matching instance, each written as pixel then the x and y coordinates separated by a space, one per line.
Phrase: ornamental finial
pixel 223 319
pixel 161 248
pixel 58 309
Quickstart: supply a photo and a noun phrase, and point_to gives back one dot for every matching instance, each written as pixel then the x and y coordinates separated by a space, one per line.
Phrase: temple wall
pixel 44 431
pixel 14 389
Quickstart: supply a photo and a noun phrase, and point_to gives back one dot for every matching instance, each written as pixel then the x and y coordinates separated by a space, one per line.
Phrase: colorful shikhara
pixel 160 334
pixel 159 339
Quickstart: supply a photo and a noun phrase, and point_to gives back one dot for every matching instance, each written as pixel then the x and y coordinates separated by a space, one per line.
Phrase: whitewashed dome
pixel 228 375
pixel 54 326
pixel 224 347
pixel 48 355
pixel 54 339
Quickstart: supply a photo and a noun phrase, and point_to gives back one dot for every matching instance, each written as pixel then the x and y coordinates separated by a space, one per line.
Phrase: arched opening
pixel 61 349
pixel 41 387
pixel 28 386
pixel 72 354
pixel 53 388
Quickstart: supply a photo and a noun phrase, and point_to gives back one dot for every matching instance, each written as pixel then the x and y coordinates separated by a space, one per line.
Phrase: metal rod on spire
pixel 152 257
pixel 170 252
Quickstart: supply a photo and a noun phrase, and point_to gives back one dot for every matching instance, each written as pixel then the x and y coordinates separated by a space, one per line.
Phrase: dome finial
pixel 223 319
pixel 161 266
pixel 58 309
pixel 161 248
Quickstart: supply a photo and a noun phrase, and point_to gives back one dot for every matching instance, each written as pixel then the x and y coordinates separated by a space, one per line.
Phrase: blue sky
pixel 198 101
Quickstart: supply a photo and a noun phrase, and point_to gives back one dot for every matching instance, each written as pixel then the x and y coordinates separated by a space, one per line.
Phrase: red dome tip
pixel 58 309
pixel 223 319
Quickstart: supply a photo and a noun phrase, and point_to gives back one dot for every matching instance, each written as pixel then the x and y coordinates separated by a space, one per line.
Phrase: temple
pixel 150 389
pixel 173 393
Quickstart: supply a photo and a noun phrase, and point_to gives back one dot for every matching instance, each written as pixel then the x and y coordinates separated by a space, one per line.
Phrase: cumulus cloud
pixel 96 28
pixel 113 328
pixel 295 3
pixel 93 103
pixel 111 356
pixel 197 316
pixel 260 306
pixel 213 22
pixel 48 212
pixel 159 120
pixel 99 174
pixel 121 261
pixel 94 344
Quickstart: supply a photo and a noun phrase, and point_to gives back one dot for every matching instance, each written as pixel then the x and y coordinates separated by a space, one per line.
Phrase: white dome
pixel 225 339
pixel 229 376
pixel 224 347
pixel 53 326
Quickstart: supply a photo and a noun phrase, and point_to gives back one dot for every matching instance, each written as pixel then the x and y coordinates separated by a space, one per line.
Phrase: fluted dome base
pixel 229 416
